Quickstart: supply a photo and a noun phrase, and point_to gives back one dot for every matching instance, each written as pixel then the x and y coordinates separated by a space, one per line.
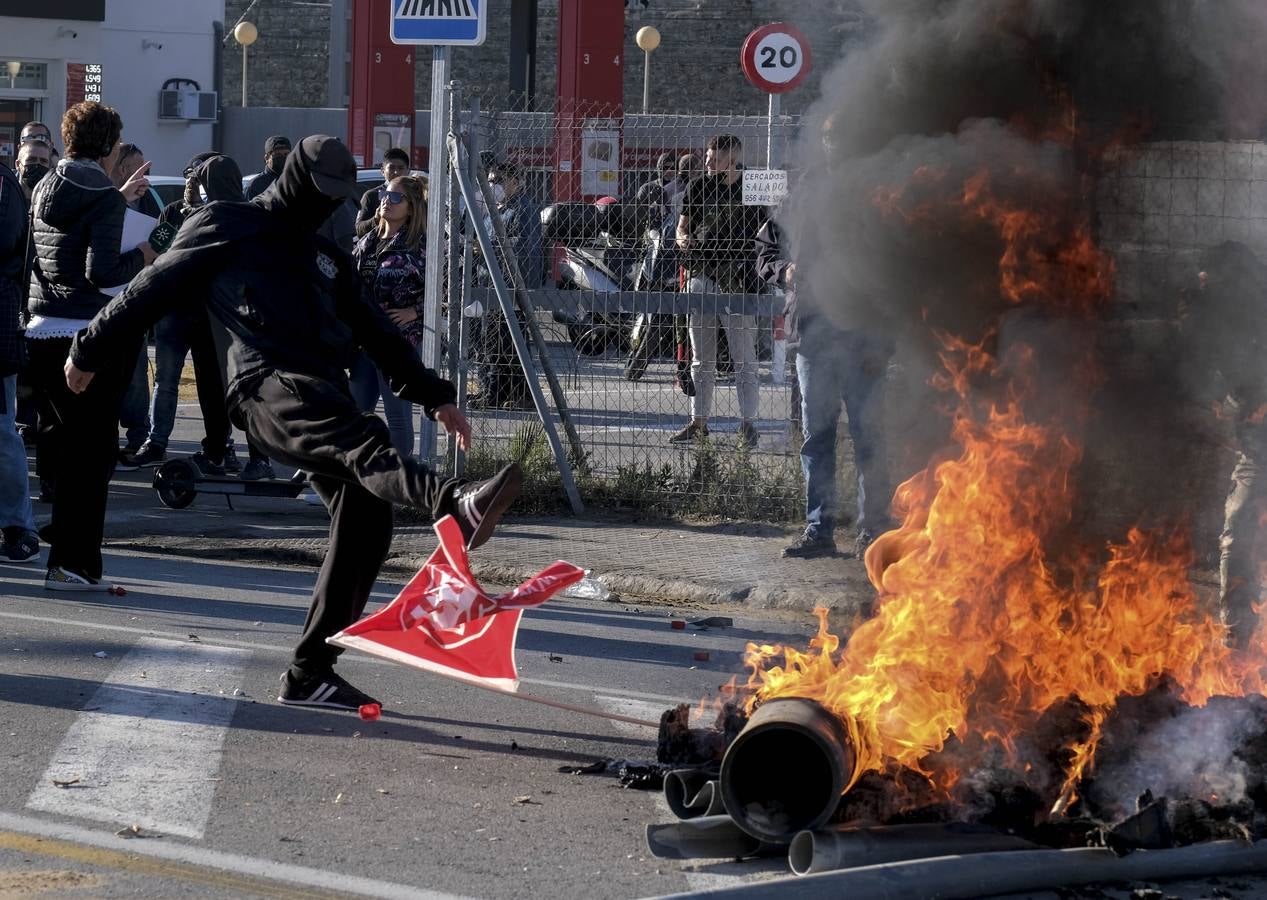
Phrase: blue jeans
pixel 15 491
pixel 171 346
pixel 368 385
pixel 135 413
pixel 846 370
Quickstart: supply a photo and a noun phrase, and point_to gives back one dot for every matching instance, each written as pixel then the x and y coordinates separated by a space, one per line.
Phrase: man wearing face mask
pixel 289 317
pixel 183 331
pixel 34 161
pixel 276 149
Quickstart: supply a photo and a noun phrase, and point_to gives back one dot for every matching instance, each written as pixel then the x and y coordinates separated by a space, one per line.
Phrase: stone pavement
pixel 662 561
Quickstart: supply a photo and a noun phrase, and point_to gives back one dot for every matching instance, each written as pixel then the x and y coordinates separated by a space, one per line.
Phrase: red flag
pixel 444 622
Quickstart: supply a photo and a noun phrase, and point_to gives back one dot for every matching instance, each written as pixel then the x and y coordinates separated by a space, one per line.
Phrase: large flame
pixel 981 626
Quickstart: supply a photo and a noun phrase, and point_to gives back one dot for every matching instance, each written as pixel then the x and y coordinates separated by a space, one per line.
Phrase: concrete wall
pixel 132 74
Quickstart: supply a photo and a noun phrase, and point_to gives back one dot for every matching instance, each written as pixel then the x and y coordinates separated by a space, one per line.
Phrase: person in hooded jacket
pixel 183 331
pixel 77 229
pixel 20 544
pixel 288 315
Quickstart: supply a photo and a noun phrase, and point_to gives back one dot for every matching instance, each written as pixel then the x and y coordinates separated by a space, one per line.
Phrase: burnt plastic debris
pixel 693 793
pixel 682 745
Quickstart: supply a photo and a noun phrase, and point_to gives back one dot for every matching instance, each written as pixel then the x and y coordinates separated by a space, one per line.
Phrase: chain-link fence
pixel 655 342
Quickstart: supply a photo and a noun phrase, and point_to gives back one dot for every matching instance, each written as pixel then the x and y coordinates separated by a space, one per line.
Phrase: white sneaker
pixel 59 579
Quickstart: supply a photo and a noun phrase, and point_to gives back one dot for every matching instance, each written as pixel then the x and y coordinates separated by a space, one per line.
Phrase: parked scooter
pixel 602 253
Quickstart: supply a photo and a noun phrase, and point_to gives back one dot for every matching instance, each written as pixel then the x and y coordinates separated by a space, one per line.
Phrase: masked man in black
pixel 288 318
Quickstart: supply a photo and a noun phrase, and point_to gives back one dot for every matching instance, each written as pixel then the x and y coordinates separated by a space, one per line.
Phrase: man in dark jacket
pixel 395 164
pixel 20 543
pixel 183 331
pixel 288 317
pixel 276 149
pixel 832 366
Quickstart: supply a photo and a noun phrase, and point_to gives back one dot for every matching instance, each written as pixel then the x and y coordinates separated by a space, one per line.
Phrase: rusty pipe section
pixel 786 770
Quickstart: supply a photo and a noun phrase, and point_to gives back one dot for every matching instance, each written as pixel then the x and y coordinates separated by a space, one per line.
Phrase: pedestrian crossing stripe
pixel 438 9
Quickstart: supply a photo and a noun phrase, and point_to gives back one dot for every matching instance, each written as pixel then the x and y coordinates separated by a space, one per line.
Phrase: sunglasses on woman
pixel 394 197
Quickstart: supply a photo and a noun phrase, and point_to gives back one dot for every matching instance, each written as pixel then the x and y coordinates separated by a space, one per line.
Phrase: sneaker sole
pixel 321 704
pixel 78 588
pixel 20 562
pixel 501 502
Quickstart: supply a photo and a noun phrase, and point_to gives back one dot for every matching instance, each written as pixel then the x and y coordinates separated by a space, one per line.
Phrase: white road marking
pixel 215 859
pixel 148 745
pixel 661 701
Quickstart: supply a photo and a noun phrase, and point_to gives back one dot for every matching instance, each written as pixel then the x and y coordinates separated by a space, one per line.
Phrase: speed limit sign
pixel 776 58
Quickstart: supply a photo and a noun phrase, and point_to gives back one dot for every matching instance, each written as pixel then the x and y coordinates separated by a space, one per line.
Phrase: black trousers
pixel 315 425
pixel 79 440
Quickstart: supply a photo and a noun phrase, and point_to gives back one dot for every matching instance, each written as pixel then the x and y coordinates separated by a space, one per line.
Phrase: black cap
pixel 198 160
pixel 276 142
pixel 332 166
pixel 666 161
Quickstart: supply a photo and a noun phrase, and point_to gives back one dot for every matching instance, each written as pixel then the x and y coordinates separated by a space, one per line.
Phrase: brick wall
pixel 695 70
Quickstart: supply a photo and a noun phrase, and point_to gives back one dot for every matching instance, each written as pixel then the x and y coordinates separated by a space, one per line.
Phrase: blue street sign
pixel 446 22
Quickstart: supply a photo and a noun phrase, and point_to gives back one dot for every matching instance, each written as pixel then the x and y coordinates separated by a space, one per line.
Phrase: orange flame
pixel 981 626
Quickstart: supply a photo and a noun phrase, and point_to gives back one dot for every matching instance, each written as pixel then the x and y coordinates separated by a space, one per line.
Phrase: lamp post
pixel 648 39
pixel 14 67
pixel 245 33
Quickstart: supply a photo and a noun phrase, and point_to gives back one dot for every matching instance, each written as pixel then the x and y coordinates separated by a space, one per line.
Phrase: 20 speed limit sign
pixel 776 58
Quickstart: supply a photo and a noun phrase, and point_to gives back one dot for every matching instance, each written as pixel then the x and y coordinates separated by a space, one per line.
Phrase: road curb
pixel 311 552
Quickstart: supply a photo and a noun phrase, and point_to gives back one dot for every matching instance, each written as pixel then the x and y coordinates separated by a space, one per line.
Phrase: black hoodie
pixel 221 179
pixel 78 216
pixel 283 299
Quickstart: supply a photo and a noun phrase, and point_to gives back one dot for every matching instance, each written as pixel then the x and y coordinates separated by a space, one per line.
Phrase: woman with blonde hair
pixel 391 262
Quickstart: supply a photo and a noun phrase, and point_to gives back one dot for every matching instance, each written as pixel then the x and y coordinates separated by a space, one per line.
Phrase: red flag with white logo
pixel 445 623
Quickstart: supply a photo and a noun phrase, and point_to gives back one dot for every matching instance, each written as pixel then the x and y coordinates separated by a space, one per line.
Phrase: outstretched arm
pixel 179 279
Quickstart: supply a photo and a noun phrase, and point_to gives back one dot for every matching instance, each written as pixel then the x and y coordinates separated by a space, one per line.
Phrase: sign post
pixel 776 58
pixel 440 24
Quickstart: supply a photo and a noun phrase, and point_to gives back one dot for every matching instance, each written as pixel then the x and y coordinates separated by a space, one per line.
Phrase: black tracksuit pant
pixel 79 440
pixel 315 425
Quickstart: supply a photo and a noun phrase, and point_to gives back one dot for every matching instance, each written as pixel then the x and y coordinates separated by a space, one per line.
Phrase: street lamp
pixel 245 33
pixel 648 38
pixel 14 68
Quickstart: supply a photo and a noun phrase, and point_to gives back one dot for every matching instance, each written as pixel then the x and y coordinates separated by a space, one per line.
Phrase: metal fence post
pixel 435 231
pixel 506 300
pixel 453 296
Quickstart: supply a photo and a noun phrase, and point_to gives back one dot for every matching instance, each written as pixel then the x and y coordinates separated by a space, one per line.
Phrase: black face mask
pixel 32 173
pixel 276 164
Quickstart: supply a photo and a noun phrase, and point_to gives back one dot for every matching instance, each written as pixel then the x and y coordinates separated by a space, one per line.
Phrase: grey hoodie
pixel 78 217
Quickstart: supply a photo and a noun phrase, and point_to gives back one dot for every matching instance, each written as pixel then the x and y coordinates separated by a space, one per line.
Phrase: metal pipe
pixel 1000 874
pixel 692 794
pixel 711 837
pixel 846 847
pixel 786 770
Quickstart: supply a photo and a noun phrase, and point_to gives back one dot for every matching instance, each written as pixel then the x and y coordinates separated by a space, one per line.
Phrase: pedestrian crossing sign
pixel 459 23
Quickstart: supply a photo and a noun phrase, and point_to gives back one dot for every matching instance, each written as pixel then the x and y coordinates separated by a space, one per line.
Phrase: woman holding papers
pixel 78 226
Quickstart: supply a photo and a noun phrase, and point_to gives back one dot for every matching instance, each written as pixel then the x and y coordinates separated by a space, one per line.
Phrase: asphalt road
pixel 162 704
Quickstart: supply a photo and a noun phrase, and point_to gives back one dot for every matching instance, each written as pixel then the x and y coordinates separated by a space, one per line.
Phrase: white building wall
pixel 144 43
pixel 140 45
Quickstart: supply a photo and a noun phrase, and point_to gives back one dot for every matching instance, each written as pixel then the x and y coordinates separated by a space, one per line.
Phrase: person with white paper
pixel 78 221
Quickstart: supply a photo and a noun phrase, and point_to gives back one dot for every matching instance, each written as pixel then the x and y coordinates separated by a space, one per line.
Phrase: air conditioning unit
pixel 189 105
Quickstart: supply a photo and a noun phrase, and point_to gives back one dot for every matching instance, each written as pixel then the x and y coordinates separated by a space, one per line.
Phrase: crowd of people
pixel 301 302
pixel 276 313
